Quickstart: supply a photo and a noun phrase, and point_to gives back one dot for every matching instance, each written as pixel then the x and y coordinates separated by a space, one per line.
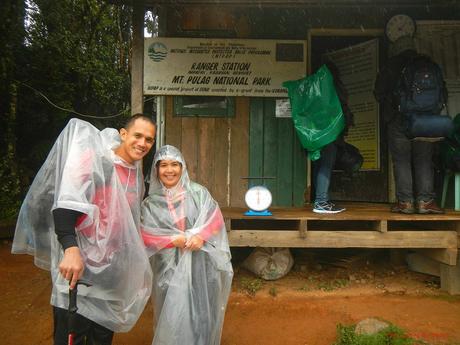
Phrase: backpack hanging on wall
pixel 421 95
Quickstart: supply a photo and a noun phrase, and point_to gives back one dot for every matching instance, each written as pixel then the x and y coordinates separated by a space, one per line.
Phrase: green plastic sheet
pixel 316 111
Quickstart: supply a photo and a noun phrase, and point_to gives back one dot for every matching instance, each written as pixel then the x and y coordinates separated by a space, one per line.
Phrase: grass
pixel 273 291
pixel 251 285
pixel 392 335
pixel 332 285
pixel 327 285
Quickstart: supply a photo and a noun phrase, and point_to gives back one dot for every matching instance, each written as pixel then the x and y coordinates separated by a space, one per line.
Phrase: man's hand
pixel 178 241
pixel 72 266
pixel 194 243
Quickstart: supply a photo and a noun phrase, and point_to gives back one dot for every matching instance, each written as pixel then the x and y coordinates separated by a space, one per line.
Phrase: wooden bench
pixel 362 226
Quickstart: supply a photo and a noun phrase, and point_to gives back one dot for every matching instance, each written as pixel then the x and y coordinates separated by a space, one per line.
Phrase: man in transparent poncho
pixel 80 219
pixel 183 229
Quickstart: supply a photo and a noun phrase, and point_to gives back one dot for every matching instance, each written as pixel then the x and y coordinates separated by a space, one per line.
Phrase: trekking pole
pixel 73 309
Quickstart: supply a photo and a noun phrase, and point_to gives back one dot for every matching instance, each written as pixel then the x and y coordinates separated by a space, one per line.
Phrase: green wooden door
pixel 275 151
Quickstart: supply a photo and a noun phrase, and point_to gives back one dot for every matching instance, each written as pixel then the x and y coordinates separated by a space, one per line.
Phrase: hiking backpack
pixel 421 87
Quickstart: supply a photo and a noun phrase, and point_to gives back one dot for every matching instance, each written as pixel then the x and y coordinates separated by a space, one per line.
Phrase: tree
pixel 74 52
pixel 11 41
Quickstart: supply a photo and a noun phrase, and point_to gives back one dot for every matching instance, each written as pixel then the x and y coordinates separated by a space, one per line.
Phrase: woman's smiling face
pixel 169 172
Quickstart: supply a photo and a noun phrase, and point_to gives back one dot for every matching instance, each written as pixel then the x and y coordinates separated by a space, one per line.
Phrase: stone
pixel 370 326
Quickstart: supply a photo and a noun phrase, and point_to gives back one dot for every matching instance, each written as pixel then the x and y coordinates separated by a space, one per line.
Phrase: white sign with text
pixel 221 67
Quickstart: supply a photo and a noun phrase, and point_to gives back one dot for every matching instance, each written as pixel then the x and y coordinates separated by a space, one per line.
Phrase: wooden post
pixel 137 62
pixel 450 278
pixel 303 227
pixel 228 224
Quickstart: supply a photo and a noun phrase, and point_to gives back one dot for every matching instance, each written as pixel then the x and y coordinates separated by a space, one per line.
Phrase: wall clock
pixel 398 26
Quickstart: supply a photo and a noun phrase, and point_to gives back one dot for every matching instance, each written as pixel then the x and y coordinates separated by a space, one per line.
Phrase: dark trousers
pixel 87 332
pixel 412 163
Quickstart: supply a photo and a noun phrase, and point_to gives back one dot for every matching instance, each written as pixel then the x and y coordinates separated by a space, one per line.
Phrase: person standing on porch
pixel 80 219
pixel 412 159
pixel 322 168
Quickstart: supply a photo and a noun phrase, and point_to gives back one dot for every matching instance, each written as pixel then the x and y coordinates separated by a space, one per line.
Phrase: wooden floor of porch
pixel 362 225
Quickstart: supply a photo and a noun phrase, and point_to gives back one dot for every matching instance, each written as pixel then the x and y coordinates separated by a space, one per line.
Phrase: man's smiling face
pixel 136 141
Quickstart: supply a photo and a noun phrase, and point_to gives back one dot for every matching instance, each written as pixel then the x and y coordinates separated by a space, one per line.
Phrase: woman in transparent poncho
pixel 184 231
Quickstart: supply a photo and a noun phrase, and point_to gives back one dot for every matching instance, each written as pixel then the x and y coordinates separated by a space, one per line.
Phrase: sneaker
pixel 406 207
pixel 425 207
pixel 327 207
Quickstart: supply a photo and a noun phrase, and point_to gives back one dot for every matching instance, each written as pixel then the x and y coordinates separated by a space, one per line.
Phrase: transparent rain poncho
pixel 82 173
pixel 190 288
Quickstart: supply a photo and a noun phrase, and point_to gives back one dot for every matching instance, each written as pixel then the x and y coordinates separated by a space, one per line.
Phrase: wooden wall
pixel 215 149
pixel 441 41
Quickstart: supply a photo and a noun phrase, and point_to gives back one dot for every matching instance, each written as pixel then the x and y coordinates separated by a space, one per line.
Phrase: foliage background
pixel 76 53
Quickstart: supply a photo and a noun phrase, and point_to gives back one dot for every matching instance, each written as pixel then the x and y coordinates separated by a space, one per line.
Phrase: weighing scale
pixel 258 199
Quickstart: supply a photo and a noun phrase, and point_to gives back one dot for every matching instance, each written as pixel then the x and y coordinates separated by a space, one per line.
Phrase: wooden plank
pixel 205 155
pixel 450 278
pixel 190 145
pixel 355 211
pixel 456 39
pixel 191 19
pixel 137 60
pixel 446 256
pixel 221 189
pixel 214 18
pixel 256 140
pixel 301 194
pixel 284 175
pixel 343 239
pixel 239 152
pixel 382 226
pixel 303 228
pixel 450 64
pixel 173 125
pixel 270 149
pixel 228 224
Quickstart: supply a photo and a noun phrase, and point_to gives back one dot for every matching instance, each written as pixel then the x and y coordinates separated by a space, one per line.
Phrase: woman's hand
pixel 179 241
pixel 194 243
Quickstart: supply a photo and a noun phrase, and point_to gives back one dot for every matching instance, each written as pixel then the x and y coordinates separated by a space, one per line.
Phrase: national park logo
pixel 157 51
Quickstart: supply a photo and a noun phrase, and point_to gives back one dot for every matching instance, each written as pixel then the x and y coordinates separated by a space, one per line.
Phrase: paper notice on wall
pixel 358 66
pixel 283 108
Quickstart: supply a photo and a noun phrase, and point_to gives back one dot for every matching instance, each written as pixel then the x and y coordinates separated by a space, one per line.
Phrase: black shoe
pixel 406 207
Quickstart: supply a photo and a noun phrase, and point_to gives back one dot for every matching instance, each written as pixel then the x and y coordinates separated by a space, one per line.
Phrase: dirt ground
pixel 323 290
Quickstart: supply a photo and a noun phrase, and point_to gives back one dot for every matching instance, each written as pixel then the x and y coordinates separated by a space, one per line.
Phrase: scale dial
pixel 258 198
pixel 398 26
